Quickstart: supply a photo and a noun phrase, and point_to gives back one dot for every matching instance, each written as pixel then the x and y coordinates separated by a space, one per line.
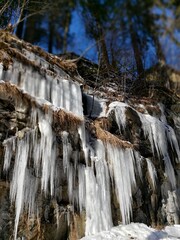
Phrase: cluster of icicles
pixel 36 161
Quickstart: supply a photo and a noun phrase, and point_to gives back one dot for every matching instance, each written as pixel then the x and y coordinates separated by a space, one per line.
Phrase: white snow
pixel 138 231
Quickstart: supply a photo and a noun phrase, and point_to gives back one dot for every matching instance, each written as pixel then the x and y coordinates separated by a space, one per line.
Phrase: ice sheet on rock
pixel 30 191
pixel 171 136
pixel 169 171
pixel 119 109
pixel 138 164
pixel 66 151
pixel 172 207
pixel 152 172
pixel 9 149
pixel 98 204
pixel 1 71
pixel 69 168
pixel 36 59
pixel 60 92
pixel 122 167
pixel 83 137
pixel 163 117
pixel 82 187
pixel 17 187
pixel 47 152
pixel 159 135
pixel 35 155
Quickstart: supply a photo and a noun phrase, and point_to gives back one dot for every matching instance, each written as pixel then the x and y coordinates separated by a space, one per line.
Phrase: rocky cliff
pixel 77 159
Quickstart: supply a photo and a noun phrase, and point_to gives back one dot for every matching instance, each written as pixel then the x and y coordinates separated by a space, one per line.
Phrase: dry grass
pixel 103 123
pixel 65 120
pixel 5 59
pixel 11 93
pixel 9 41
pixel 107 137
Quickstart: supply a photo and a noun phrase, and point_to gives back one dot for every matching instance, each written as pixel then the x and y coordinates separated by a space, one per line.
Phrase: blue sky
pixel 80 40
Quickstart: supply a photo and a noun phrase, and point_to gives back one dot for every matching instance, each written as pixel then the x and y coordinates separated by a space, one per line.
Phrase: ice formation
pixel 24 185
pixel 105 166
pixel 152 172
pixel 119 109
pixel 58 90
pixel 98 206
pixel 159 135
pixel 122 171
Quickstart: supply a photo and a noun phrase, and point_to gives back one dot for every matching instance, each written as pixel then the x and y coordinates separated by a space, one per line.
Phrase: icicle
pixel 120 117
pixel 172 208
pixel 9 148
pixel 82 186
pixel 171 136
pixel 119 109
pixel 163 117
pixel 1 71
pixel 70 176
pixel 30 191
pixel 69 168
pixel 152 172
pixel 76 100
pixel 66 151
pixel 138 163
pixel 17 184
pixel 169 171
pixel 122 161
pixel 62 93
pixel 102 176
pixel 85 147
pixel 48 153
pixel 98 206
pixel 159 134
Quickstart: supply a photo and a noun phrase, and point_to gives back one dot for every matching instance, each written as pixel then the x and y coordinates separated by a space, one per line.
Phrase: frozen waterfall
pixel 39 157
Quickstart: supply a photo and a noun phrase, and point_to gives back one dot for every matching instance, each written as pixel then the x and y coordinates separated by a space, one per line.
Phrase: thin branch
pixel 21 10
pixel 6 5
pixel 31 14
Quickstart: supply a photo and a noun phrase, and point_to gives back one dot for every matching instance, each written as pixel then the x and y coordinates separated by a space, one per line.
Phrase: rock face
pixel 75 162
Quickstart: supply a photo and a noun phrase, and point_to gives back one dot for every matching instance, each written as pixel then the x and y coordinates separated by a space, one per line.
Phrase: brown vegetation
pixel 107 137
pixel 8 41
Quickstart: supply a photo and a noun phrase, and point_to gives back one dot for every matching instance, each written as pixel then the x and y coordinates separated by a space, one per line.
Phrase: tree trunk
pixel 104 58
pixel 20 26
pixel 66 30
pixel 30 28
pixel 136 50
pixel 159 50
pixel 51 37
